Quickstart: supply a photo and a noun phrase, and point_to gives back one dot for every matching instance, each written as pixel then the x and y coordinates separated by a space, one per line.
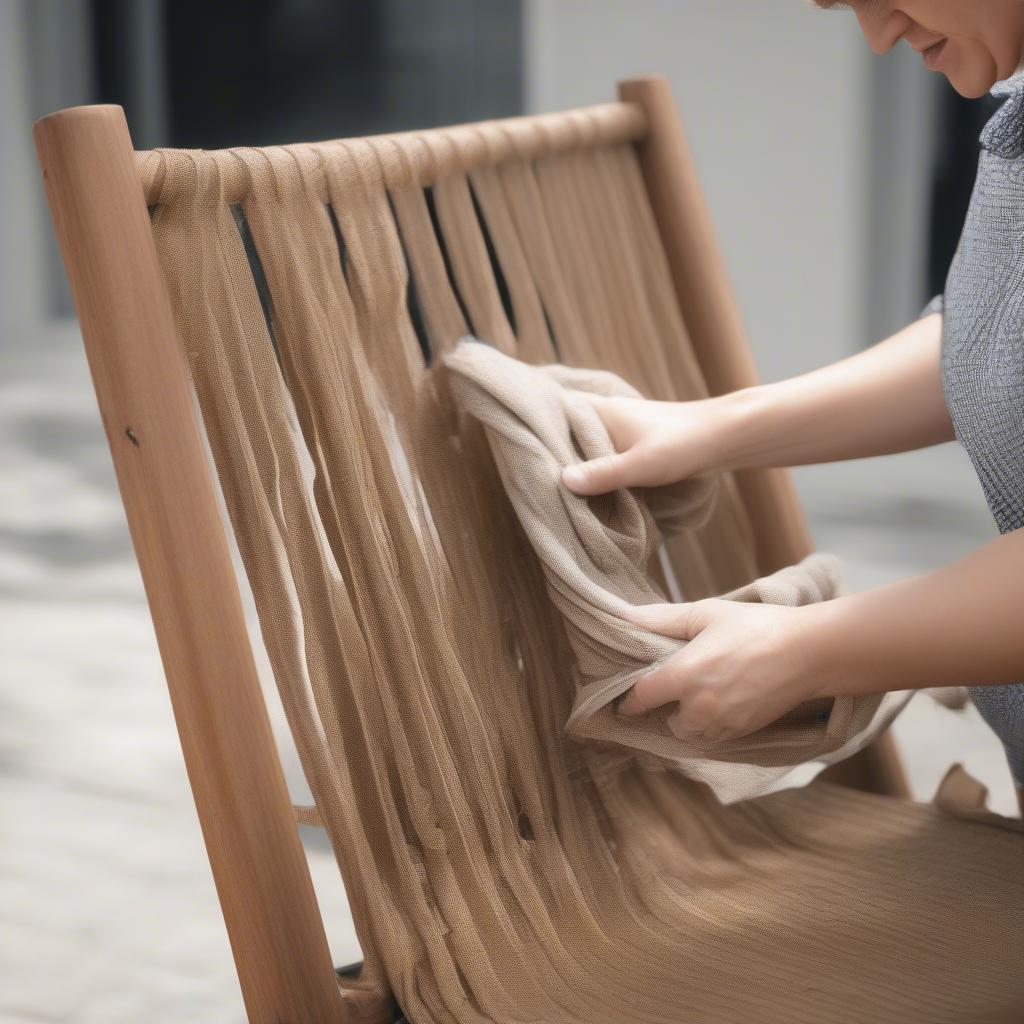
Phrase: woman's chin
pixel 972 78
pixel 970 91
pixel 971 86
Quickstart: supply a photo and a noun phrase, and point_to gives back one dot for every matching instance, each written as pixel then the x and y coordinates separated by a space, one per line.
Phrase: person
pixel 956 372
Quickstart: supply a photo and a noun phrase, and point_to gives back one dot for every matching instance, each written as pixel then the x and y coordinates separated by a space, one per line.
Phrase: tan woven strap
pixel 307 814
pixel 498 869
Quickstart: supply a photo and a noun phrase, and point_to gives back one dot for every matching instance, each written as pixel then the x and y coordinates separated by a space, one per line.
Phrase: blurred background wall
pixel 837 181
pixel 777 107
pixel 822 164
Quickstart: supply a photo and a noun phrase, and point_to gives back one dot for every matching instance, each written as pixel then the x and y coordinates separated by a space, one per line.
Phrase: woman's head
pixel 974 43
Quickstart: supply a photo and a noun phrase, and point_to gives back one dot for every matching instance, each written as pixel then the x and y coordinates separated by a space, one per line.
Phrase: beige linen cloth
pixel 595 554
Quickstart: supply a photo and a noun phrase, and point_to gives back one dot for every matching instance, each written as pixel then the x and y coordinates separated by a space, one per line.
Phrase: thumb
pixel 599 475
pixel 679 621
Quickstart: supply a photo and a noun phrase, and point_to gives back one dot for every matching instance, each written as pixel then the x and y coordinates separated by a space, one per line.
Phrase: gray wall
pixel 812 151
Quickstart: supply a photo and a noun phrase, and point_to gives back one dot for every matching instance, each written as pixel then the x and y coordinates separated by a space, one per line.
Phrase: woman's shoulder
pixel 1004 132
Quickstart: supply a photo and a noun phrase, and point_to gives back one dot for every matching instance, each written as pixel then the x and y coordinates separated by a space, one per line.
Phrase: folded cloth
pixel 595 554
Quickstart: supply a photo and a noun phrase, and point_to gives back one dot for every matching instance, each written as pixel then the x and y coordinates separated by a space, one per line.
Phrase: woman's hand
pixel 885 399
pixel 748 664
pixel 655 442
pixel 745 666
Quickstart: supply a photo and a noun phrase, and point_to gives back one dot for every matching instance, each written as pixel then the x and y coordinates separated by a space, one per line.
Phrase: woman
pixel 957 372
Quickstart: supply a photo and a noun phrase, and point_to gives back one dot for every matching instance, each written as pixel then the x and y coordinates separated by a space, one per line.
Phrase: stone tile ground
pixel 108 914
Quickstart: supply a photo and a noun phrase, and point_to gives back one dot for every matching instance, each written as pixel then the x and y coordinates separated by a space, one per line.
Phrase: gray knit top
pixel 983 356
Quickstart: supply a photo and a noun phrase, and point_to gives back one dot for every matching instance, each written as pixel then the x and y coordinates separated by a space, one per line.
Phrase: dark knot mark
pixel 525 826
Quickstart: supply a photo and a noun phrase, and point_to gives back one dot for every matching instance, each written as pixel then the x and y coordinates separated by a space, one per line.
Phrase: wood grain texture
pixel 717 335
pixel 262 879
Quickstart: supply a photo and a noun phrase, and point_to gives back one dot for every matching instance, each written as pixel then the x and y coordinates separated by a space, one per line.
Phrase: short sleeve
pixel 937 305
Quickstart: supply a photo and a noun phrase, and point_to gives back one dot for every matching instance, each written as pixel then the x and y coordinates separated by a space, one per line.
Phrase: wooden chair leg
pixel 142 387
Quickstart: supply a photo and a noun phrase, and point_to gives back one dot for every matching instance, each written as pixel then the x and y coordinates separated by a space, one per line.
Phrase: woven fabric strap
pixel 498 868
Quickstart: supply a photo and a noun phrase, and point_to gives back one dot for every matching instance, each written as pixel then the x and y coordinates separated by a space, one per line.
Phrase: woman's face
pixel 974 43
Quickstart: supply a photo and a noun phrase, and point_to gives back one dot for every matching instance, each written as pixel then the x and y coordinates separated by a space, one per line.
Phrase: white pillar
pixel 812 151
pixel 22 250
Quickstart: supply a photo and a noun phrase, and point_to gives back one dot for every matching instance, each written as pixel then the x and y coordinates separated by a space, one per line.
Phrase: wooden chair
pixel 99 207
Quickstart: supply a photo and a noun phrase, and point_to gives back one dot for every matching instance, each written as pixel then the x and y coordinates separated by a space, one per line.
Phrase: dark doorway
pixel 272 71
pixel 960 123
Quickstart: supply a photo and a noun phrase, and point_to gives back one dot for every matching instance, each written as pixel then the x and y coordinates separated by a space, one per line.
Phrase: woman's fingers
pixel 666 683
pixel 743 666
pixel 599 476
pixel 700 708
pixel 674 678
pixel 680 621
pixel 697 716
pixel 669 680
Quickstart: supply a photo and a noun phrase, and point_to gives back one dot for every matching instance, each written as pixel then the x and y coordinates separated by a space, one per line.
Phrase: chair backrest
pixel 310 289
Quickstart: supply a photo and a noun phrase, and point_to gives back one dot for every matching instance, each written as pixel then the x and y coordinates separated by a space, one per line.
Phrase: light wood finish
pixel 716 333
pixel 141 382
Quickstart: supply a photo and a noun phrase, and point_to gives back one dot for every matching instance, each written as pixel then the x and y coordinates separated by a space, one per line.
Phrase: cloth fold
pixel 596 554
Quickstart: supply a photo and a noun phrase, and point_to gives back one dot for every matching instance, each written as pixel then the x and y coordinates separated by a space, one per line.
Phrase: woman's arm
pixel 747 664
pixel 885 399
pixel 956 626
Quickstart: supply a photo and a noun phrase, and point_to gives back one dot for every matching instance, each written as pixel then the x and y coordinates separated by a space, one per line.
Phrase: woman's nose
pixel 881 24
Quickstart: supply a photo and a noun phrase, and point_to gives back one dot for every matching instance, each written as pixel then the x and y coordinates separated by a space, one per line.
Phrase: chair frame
pixel 143 391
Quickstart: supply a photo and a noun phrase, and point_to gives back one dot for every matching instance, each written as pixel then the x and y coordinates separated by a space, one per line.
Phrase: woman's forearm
pixel 885 399
pixel 956 626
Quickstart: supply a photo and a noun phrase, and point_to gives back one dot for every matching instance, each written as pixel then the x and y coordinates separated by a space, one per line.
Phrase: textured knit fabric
pixel 983 356
pixel 596 554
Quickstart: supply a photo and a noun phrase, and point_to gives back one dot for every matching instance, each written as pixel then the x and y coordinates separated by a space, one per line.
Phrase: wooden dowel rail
pixel 262 878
